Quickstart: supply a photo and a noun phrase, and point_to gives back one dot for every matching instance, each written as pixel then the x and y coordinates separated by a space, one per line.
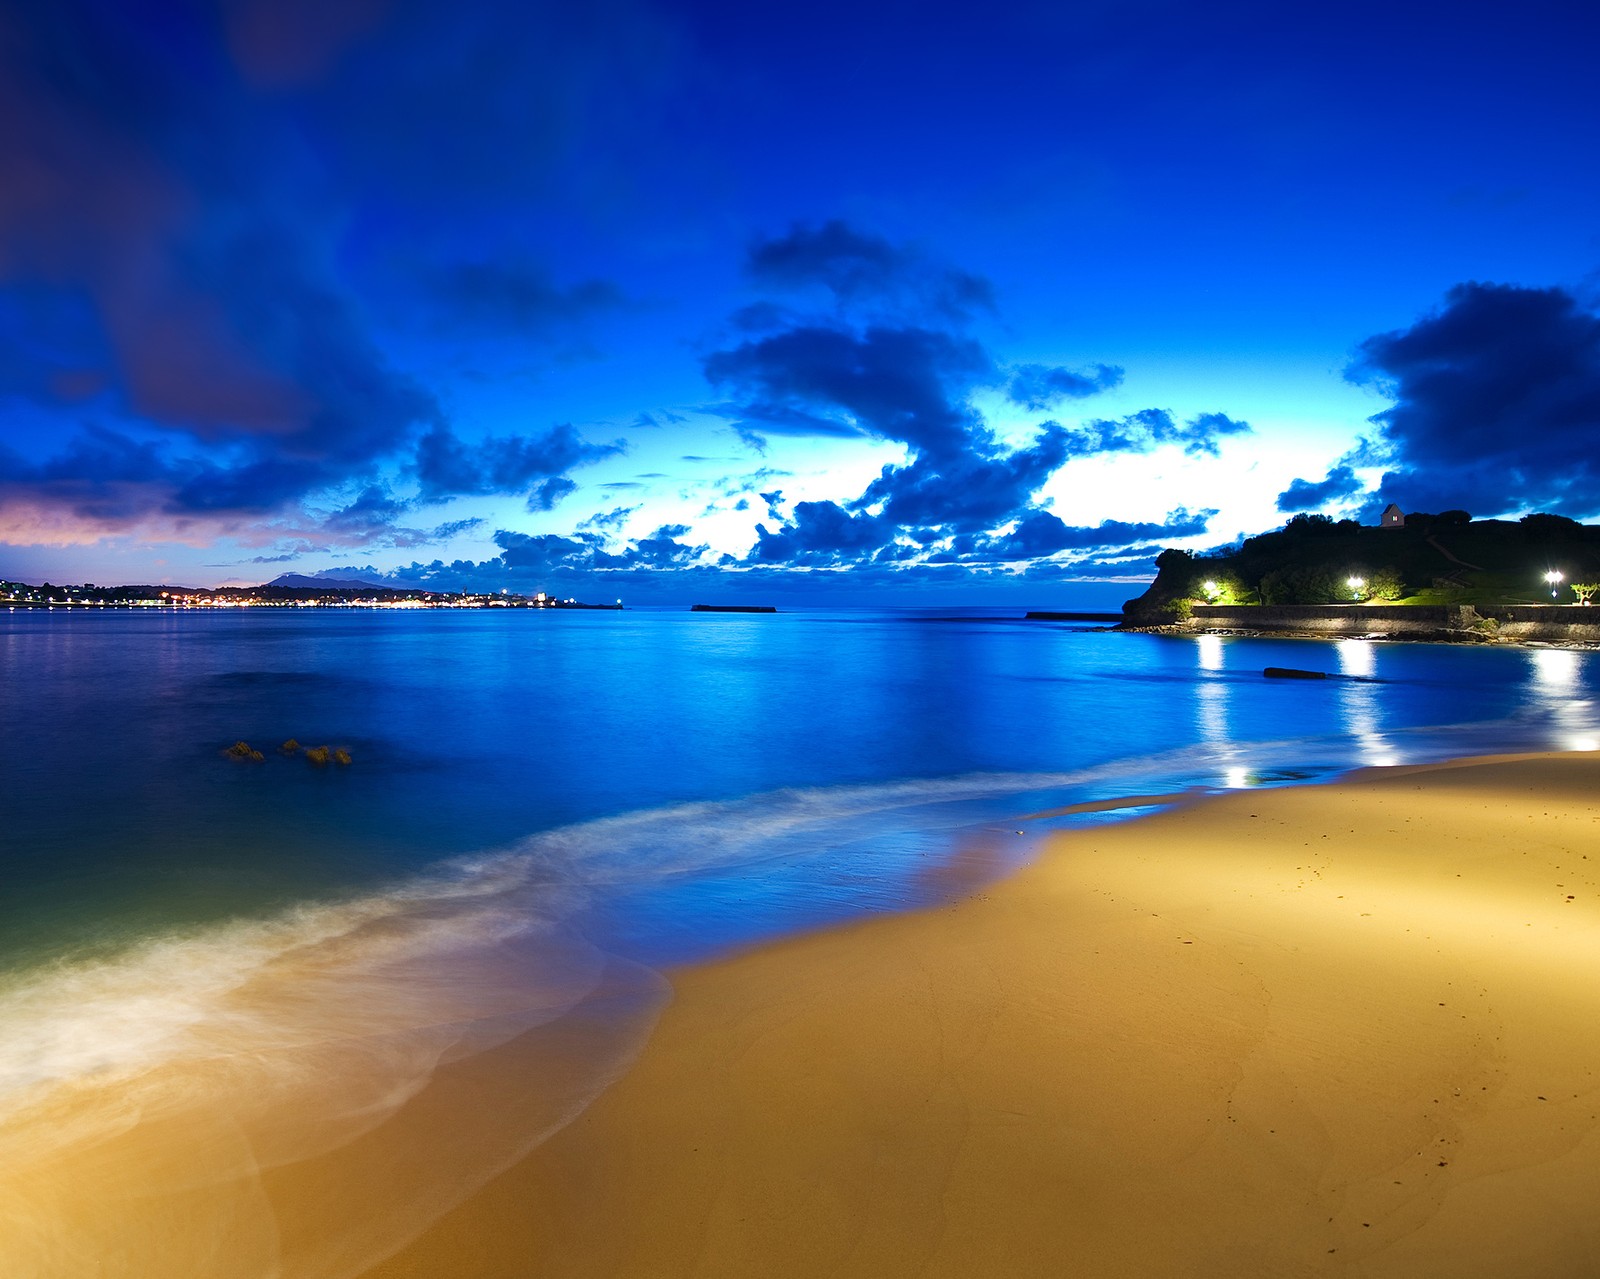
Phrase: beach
pixel 1344 1029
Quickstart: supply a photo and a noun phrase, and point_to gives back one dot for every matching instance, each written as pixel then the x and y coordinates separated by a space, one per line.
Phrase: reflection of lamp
pixel 1356 585
pixel 1554 577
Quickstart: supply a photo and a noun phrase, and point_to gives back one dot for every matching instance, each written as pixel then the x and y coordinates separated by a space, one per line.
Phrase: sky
pixel 845 303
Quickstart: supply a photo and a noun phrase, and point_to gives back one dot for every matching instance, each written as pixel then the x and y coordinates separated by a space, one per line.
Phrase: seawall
pixel 1555 623
pixel 1548 622
pixel 1419 620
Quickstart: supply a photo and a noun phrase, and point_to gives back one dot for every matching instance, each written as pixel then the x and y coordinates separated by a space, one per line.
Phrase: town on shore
pixel 270 595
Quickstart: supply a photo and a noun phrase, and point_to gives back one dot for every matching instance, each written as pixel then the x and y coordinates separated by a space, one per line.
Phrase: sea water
pixel 543 810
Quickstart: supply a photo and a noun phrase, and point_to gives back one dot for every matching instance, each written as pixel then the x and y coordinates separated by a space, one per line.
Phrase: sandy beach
pixel 1350 1029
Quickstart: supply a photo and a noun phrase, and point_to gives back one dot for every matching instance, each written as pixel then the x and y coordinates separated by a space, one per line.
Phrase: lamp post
pixel 1554 577
pixel 1356 585
pixel 1212 589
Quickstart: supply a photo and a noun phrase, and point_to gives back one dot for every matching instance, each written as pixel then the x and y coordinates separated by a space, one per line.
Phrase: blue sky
pixel 865 302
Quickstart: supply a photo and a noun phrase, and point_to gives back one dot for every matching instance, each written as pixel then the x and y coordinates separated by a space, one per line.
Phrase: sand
pixel 1350 1029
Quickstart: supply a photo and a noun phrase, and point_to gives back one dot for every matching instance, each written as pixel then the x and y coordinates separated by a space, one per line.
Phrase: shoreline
pixel 1332 1029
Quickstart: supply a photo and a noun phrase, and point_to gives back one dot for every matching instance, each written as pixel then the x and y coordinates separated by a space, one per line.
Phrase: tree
pixel 1385 584
pixel 1542 526
pixel 1454 518
pixel 1584 591
pixel 1311 584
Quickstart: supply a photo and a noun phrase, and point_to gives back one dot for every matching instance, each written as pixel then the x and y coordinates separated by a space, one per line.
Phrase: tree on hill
pixel 1542 526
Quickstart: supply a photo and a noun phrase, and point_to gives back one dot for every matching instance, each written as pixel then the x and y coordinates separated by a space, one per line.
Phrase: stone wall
pixel 1549 622
pixel 1338 619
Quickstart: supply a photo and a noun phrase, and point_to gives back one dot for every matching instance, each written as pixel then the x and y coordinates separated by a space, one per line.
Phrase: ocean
pixel 543 811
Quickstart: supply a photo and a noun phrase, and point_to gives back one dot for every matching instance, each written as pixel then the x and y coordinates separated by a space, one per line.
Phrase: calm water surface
pixel 474 731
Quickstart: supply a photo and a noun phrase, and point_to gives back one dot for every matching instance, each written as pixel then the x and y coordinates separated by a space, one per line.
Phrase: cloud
pixel 661 417
pixel 548 553
pixel 974 487
pixel 819 533
pixel 867 369
pixel 446 466
pixel 857 267
pixel 607 521
pixel 199 217
pixel 454 528
pixel 1042 533
pixel 1306 495
pixel 499 295
pixel 1150 429
pixel 899 383
pixel 1496 402
pixel 1038 386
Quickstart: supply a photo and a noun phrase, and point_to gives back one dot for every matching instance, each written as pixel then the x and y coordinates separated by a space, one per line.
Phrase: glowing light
pixel 1212 589
pixel 1210 652
pixel 1237 779
pixel 1555 669
pixel 1356 585
pixel 1583 744
pixel 1554 577
pixel 1356 657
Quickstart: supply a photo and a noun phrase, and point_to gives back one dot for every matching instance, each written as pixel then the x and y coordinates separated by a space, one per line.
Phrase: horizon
pixel 677 301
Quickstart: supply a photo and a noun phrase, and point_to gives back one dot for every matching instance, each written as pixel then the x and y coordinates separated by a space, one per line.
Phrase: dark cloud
pixel 548 553
pixel 607 521
pixel 860 268
pixel 1038 386
pixel 972 488
pixel 106 477
pixel 1152 428
pixel 820 533
pixel 544 495
pixel 902 384
pixel 774 501
pixel 446 466
pixel 1042 533
pixel 913 383
pixel 454 528
pixel 1496 402
pixel 662 549
pixel 1307 495
pixel 501 295
pixel 190 202
pixel 661 417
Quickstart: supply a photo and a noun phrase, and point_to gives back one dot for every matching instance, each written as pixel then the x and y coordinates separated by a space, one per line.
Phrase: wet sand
pixel 1332 1030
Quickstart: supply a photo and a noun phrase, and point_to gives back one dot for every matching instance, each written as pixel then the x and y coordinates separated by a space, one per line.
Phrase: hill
pixel 1433 559
pixel 301 582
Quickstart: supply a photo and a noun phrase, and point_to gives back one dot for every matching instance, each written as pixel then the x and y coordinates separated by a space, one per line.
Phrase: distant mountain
pixel 300 582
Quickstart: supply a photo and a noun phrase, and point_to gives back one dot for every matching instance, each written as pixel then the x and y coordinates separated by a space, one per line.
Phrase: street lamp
pixel 1211 588
pixel 1554 577
pixel 1356 585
